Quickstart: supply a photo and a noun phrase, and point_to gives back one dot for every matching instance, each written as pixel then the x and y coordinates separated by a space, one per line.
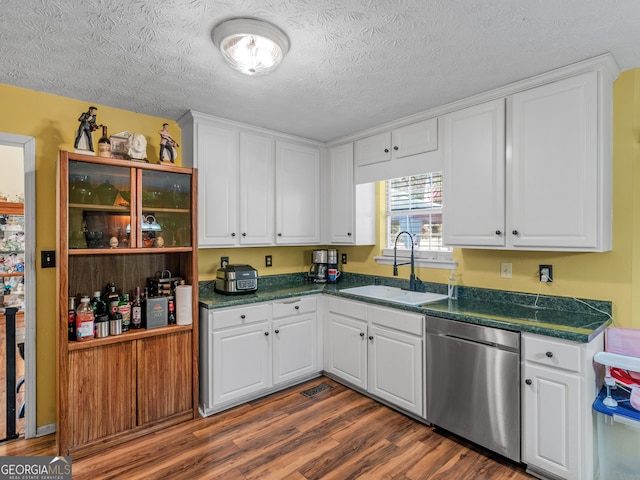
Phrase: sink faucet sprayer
pixel 412 277
pixel 452 289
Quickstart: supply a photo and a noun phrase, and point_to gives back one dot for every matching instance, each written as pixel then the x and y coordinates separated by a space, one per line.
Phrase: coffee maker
pixel 324 266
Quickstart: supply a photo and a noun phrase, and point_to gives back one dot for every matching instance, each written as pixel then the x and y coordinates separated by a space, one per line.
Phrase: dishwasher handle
pixel 495 337
pixel 467 339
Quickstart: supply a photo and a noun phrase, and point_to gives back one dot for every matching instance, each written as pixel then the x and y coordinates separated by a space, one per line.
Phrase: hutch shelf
pixel 122 221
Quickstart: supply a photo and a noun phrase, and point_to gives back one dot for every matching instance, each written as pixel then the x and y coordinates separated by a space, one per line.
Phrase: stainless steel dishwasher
pixel 473 383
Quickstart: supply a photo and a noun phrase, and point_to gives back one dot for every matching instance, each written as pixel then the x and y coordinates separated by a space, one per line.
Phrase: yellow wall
pixel 52 120
pixel 614 275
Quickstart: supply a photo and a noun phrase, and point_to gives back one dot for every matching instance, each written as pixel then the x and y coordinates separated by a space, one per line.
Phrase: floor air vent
pixel 313 391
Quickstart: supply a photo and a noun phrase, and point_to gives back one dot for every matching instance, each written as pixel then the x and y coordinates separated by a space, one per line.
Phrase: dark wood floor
pixel 336 435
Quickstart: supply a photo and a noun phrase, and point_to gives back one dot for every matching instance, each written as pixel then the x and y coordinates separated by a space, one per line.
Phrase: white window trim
pixel 422 258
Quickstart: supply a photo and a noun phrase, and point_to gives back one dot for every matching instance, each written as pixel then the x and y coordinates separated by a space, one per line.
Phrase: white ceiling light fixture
pixel 251 46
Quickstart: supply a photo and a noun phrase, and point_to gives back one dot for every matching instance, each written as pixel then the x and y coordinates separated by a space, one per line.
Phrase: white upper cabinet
pixel 236 178
pixel 416 138
pixel 238 182
pixel 402 142
pixel 558 180
pixel 256 188
pixel 374 149
pixel 546 184
pixel 297 194
pixel 474 175
pixel 216 157
pixel 351 208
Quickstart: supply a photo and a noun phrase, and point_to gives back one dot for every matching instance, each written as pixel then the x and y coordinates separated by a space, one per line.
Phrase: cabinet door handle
pixel 276 331
pixel 243 316
pixel 395 148
pixel 362 334
pixel 266 334
pixel 279 234
pixel 297 307
pixel 244 234
pixel 528 381
pixel 515 232
pixel 549 354
pixel 498 232
pixel 386 150
pixel 370 337
pixel 348 234
pixel 233 234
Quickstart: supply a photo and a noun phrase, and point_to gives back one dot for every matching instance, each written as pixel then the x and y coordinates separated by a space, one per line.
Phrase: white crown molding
pixel 605 64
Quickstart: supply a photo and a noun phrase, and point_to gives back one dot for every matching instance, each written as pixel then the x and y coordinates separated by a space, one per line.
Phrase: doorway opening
pixel 17 288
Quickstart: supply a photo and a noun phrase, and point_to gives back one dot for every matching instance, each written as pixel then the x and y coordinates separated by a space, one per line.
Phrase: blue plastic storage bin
pixel 618 437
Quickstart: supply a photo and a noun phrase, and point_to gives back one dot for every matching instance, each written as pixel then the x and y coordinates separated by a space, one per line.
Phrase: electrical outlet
pixel 48 259
pixel 506 270
pixel 344 258
pixel 224 261
pixel 546 273
pixel 268 261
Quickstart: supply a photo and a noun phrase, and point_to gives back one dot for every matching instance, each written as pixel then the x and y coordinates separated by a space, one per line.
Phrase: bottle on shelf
pixel 99 306
pixel 112 298
pixel 136 311
pixel 101 318
pixel 72 318
pixel 172 311
pixel 104 144
pixel 124 309
pixel 84 321
pixel 145 296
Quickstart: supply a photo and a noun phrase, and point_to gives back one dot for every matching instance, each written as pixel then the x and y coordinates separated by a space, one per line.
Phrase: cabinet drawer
pixel 397 320
pixel 551 352
pixel 240 316
pixel 294 306
pixel 348 308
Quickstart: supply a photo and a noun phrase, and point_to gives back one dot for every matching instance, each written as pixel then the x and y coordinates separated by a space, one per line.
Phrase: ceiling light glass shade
pixel 253 47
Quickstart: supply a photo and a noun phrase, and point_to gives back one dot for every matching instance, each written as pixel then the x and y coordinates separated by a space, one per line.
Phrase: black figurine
pixel 167 143
pixel 87 126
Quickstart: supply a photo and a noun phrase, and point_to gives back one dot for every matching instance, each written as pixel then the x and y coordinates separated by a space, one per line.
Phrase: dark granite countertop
pixel 572 319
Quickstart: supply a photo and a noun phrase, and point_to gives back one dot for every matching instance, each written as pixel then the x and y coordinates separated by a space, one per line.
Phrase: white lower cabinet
pixel 249 351
pixel 395 361
pixel 557 393
pixel 346 352
pixel 240 361
pixel 294 339
pixel 380 350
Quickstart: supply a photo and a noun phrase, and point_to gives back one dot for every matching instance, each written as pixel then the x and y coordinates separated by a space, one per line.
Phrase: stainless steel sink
pixel 394 294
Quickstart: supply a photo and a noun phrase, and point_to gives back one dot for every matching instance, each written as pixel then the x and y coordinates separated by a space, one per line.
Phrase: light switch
pixel 48 259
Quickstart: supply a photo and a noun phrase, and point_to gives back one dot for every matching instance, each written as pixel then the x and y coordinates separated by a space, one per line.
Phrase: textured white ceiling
pixel 353 64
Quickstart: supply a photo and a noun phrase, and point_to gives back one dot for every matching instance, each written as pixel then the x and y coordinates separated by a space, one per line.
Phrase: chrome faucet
pixel 412 277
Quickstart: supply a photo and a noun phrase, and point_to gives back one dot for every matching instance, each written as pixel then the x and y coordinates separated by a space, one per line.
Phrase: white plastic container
pixel 618 439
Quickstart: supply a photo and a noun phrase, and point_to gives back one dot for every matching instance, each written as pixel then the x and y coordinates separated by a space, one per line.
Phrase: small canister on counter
pixel 115 323
pixel 102 326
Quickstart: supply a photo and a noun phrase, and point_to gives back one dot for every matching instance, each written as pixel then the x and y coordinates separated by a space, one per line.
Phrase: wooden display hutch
pixel 122 221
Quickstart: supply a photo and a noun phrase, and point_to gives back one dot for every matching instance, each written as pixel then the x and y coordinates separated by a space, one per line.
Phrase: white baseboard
pixel 45 430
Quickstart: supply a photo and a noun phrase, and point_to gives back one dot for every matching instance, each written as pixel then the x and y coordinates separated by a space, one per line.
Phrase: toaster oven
pixel 236 279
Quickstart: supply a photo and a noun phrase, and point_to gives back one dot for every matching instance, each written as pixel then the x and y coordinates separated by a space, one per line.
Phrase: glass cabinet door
pixel 166 209
pixel 99 205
